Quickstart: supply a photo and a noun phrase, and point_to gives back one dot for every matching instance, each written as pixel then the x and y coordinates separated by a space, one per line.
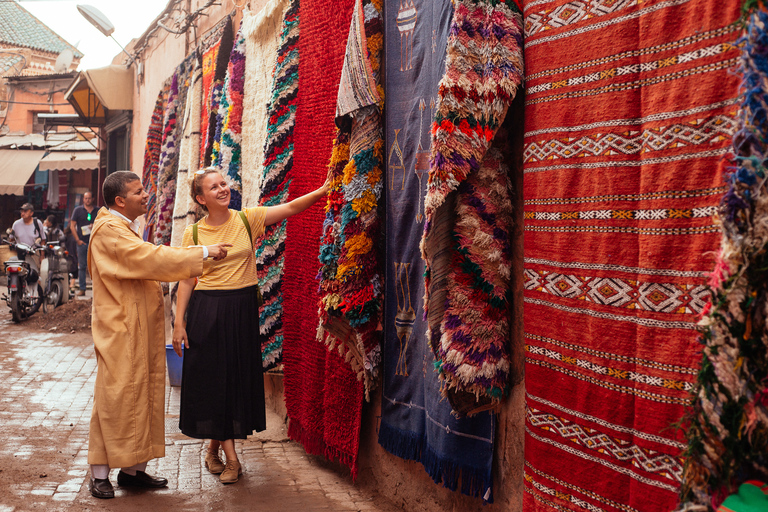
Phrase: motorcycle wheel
pixel 54 297
pixel 16 311
pixel 35 305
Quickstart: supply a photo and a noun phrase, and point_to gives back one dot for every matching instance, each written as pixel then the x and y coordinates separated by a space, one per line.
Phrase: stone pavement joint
pixel 46 397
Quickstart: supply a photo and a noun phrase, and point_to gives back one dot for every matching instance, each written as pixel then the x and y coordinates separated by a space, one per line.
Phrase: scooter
pixel 54 275
pixel 23 298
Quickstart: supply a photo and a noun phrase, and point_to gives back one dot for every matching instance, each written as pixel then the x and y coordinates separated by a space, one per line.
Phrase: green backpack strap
pixel 194 233
pixel 243 218
pixel 247 225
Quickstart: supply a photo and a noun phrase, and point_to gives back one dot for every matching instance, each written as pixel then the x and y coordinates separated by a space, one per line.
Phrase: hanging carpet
pixel 416 422
pixel 629 110
pixel 184 208
pixel 322 394
pixel 226 151
pixel 152 159
pixel 278 160
pixel 262 32
pixel 468 206
pixel 215 50
pixel 350 278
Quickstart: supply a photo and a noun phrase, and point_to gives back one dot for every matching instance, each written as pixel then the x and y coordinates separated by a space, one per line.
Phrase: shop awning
pixel 16 166
pixel 97 89
pixel 70 161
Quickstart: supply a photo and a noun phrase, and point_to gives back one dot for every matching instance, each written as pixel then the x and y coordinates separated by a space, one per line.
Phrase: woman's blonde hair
pixel 197 183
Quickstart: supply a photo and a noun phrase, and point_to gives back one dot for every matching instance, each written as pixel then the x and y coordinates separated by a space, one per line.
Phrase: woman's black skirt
pixel 222 384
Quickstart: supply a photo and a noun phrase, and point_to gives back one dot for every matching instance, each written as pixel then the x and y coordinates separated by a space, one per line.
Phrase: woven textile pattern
pixel 152 159
pixel 416 421
pixel 727 425
pixel 322 394
pixel 209 51
pixel 263 34
pixel 226 152
pixel 630 107
pixel 466 245
pixel 167 166
pixel 184 209
pixel 350 278
pixel 278 161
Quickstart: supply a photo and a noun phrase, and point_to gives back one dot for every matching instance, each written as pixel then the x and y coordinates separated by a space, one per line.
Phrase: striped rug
pixel 630 108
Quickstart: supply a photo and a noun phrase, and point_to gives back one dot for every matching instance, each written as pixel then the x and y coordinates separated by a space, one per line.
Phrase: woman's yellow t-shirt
pixel 238 269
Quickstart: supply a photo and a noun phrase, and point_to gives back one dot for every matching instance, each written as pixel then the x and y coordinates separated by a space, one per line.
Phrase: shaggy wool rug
pixel 262 32
pixel 350 278
pixel 322 394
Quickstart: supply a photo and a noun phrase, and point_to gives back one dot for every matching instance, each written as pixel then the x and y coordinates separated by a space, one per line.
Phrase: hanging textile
pixel 416 423
pixel 727 424
pixel 322 395
pixel 278 161
pixel 350 278
pixel 468 207
pixel 226 150
pixel 262 36
pixel 169 154
pixel 218 40
pixel 152 159
pixel 629 110
pixel 185 210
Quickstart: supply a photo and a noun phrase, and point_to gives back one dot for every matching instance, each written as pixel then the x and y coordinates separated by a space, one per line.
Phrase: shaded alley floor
pixel 46 388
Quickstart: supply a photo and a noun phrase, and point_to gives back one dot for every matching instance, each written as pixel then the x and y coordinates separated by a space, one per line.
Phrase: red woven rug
pixel 322 395
pixel 629 110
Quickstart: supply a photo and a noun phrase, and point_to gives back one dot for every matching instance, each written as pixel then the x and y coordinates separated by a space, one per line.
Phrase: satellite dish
pixel 97 19
pixel 63 61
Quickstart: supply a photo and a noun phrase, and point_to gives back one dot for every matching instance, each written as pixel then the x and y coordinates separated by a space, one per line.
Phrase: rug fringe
pixel 314 446
pixel 475 482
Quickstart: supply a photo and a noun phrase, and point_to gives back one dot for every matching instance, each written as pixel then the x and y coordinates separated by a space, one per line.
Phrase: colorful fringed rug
pixel 152 159
pixel 184 209
pixel 226 152
pixel 262 33
pixel 209 49
pixel 278 161
pixel 350 279
pixel 468 206
pixel 629 110
pixel 416 422
pixel 727 424
pixel 322 394
pixel 167 167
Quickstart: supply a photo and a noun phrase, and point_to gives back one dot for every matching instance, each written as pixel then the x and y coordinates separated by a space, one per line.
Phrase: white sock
pixel 133 469
pixel 100 471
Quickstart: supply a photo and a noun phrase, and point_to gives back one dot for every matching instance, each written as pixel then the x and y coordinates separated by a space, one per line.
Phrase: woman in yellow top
pixel 222 389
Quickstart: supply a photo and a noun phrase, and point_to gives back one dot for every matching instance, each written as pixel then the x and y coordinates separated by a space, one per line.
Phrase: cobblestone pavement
pixel 46 388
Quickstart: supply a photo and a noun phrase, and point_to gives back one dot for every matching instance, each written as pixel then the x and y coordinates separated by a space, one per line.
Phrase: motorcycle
pixel 54 275
pixel 23 298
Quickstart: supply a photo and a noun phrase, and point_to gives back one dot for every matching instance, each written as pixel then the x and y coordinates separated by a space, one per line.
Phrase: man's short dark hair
pixel 114 186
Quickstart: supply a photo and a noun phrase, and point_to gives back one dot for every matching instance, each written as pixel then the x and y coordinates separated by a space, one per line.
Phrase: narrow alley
pixel 46 388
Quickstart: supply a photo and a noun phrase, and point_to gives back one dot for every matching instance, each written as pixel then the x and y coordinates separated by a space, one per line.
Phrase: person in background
pixel 71 246
pixel 217 321
pixel 81 225
pixel 52 231
pixel 30 231
pixel 128 418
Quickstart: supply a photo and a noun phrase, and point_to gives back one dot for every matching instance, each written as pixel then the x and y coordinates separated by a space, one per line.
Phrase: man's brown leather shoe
pixel 101 488
pixel 141 479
